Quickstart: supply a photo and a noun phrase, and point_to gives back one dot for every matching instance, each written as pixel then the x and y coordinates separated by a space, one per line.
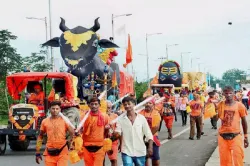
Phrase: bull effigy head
pixel 79 45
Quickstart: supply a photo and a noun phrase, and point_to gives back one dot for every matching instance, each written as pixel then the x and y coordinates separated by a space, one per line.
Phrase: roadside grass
pixel 3 119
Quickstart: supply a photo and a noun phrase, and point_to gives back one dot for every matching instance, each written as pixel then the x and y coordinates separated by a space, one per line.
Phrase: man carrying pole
pixel 56 152
pixel 93 135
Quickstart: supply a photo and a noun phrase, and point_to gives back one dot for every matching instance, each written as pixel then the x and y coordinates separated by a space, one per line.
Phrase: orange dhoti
pixel 61 160
pixel 231 151
pixel 168 121
pixel 115 151
pixel 93 158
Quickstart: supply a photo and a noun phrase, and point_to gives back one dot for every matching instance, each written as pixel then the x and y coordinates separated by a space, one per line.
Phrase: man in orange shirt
pixel 93 135
pixel 153 118
pixel 114 152
pixel 196 117
pixel 230 113
pixel 37 98
pixel 168 114
pixel 56 152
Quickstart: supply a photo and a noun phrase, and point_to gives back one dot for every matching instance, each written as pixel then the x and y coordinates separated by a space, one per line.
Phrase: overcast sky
pixel 198 26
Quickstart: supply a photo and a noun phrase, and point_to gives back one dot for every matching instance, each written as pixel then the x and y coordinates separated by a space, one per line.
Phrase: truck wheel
pixel 3 143
pixel 17 145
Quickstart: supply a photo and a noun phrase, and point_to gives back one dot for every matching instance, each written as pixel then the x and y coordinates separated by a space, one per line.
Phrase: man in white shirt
pixel 245 98
pixel 132 128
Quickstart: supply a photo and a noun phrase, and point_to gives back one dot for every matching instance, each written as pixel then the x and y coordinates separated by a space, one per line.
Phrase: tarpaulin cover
pixel 17 82
pixel 126 83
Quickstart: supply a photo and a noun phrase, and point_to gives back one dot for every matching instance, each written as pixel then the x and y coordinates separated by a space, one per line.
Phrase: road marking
pixel 176 135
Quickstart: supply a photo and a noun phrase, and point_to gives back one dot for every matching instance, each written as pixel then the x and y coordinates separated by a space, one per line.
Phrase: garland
pixel 27 126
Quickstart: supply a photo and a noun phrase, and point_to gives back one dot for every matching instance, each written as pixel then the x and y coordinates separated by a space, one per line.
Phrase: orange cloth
pixel 93 159
pixel 114 155
pixel 113 116
pixel 93 134
pixel 168 121
pixel 231 151
pixel 153 118
pixel 56 134
pixel 159 107
pixel 230 117
pixel 36 98
pixel 196 107
pixel 61 160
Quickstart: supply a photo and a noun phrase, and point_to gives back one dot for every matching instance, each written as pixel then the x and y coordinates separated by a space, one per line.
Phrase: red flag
pixel 128 53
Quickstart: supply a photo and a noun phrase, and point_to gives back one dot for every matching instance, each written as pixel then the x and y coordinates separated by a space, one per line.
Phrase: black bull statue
pixel 78 47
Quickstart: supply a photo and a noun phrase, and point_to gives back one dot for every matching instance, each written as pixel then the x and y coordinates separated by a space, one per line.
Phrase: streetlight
pixel 167 48
pixel 199 65
pixel 113 17
pixel 50 30
pixel 182 59
pixel 192 61
pixel 147 53
pixel 46 31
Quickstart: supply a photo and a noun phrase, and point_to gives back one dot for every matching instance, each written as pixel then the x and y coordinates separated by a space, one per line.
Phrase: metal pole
pixel 46 31
pixel 147 59
pixel 51 49
pixel 181 63
pixel 167 51
pixel 113 34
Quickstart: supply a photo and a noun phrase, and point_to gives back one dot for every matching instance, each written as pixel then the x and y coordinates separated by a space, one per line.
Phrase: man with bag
pixel 153 118
pixel 230 113
pixel 56 152
pixel 94 129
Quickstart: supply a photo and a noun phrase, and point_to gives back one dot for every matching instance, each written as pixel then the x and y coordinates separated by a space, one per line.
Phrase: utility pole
pixel 51 48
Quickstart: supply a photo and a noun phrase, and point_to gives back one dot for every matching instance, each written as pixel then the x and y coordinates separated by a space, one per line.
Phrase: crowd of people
pixel 135 135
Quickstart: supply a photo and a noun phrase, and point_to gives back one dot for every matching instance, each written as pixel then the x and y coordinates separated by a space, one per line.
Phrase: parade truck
pixel 169 76
pixel 25 118
pixel 194 81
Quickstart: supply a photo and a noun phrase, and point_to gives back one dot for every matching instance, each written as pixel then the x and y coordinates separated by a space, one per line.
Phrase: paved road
pixel 179 151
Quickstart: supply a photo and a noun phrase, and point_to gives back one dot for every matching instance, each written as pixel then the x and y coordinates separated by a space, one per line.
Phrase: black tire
pixel 17 145
pixel 3 145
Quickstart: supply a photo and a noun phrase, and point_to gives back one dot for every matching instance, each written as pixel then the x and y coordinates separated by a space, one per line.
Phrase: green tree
pixel 230 76
pixel 9 59
pixel 140 88
pixel 36 62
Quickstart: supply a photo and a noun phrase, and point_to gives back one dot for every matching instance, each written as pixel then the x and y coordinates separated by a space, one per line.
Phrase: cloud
pixel 197 26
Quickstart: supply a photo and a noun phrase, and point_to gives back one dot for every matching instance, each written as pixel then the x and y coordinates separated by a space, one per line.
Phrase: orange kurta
pixel 56 138
pixel 153 119
pixel 196 108
pixel 36 98
pixel 93 135
pixel 231 151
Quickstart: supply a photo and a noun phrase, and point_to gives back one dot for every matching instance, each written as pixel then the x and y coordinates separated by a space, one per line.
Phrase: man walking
pixel 132 128
pixel 153 118
pixel 231 113
pixel 196 117
pixel 94 134
pixel 56 152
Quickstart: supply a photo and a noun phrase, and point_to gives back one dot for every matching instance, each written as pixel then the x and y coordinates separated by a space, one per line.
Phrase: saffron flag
pixel 114 80
pixel 128 53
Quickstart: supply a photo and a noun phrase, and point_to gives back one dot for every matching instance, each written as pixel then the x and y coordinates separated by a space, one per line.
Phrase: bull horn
pixel 96 27
pixel 63 26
